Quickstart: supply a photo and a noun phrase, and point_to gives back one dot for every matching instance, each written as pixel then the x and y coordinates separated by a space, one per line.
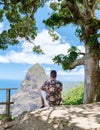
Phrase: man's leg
pixel 43 99
pixel 42 102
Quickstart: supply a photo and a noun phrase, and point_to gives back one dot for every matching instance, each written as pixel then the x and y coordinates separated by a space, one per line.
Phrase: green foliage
pixel 61 15
pixel 53 34
pixel 5 39
pixel 74 96
pixel 79 13
pixel 1 15
pixel 2 117
pixel 78 32
pixel 20 17
pixel 54 6
pixel 55 20
pixel 67 60
pixel 37 49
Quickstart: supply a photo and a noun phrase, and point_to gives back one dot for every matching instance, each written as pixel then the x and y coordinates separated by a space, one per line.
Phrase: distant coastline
pixel 8 83
pixel 70 84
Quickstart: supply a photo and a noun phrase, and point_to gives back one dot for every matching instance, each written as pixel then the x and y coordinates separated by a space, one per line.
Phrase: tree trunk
pixel 92 76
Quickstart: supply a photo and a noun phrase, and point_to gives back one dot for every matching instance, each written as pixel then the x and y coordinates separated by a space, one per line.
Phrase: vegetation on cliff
pixel 74 96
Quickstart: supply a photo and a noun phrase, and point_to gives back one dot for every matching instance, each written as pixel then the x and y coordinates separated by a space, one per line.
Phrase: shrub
pixel 74 96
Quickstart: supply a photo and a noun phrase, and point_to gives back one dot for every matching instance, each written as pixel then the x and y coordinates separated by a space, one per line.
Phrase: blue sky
pixel 16 60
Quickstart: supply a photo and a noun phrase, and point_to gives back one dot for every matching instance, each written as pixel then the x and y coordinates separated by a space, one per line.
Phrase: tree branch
pixel 90 6
pixel 94 3
pixel 99 51
pixel 78 17
pixel 88 11
pixel 81 53
pixel 77 63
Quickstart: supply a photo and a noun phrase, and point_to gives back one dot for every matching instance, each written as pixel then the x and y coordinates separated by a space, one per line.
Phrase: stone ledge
pixel 77 117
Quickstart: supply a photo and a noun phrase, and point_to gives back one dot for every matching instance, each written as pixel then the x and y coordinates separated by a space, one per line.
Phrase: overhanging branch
pixel 75 11
pixel 99 51
pixel 95 2
pixel 77 63
pixel 81 53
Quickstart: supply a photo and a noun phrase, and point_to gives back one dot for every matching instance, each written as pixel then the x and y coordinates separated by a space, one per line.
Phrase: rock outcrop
pixel 76 117
pixel 27 97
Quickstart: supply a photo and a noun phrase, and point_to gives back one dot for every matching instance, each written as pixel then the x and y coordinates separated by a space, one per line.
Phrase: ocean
pixel 8 84
pixel 17 83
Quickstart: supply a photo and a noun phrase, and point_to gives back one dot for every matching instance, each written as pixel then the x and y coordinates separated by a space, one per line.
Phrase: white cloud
pixel 81 48
pixel 51 48
pixel 26 55
pixel 73 75
pixel 1 26
pixel 51 1
pixel 76 74
pixel 4 59
pixel 47 71
pixel 72 72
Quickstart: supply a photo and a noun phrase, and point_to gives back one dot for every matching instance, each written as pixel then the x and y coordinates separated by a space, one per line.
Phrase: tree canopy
pixel 19 15
pixel 81 13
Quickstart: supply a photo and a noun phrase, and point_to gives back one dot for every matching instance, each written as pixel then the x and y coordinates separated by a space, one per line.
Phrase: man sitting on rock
pixel 51 91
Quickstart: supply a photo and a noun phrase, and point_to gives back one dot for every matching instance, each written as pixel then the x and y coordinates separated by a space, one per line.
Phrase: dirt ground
pixel 77 117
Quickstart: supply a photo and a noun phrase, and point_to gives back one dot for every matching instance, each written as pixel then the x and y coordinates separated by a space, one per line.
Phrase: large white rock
pixel 27 97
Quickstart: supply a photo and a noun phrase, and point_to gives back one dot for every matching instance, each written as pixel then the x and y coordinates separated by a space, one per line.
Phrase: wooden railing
pixel 7 103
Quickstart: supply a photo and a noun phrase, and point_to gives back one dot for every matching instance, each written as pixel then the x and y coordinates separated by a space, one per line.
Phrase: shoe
pixel 42 106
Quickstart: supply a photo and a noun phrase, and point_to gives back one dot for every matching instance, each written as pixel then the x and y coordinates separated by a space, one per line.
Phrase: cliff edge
pixel 77 117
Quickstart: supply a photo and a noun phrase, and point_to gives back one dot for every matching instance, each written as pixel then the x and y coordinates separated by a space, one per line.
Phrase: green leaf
pixel 37 49
pixel 1 15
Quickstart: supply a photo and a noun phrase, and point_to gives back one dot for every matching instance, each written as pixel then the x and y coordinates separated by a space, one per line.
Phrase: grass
pixel 74 96
pixel 2 117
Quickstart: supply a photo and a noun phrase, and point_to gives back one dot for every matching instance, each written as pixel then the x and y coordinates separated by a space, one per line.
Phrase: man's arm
pixel 44 86
pixel 60 88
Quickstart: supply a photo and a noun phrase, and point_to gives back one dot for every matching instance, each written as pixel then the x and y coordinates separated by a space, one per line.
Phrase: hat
pixel 53 74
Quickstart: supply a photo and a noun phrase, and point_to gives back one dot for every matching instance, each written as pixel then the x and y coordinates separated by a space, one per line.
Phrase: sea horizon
pixel 16 83
pixel 8 83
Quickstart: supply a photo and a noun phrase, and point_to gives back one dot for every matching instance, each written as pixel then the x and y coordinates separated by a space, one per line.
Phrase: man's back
pixel 53 89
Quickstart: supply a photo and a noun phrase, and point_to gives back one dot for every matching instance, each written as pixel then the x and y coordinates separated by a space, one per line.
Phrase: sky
pixel 16 60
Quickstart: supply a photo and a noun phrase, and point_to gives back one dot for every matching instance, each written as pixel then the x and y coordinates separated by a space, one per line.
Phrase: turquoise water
pixel 8 84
